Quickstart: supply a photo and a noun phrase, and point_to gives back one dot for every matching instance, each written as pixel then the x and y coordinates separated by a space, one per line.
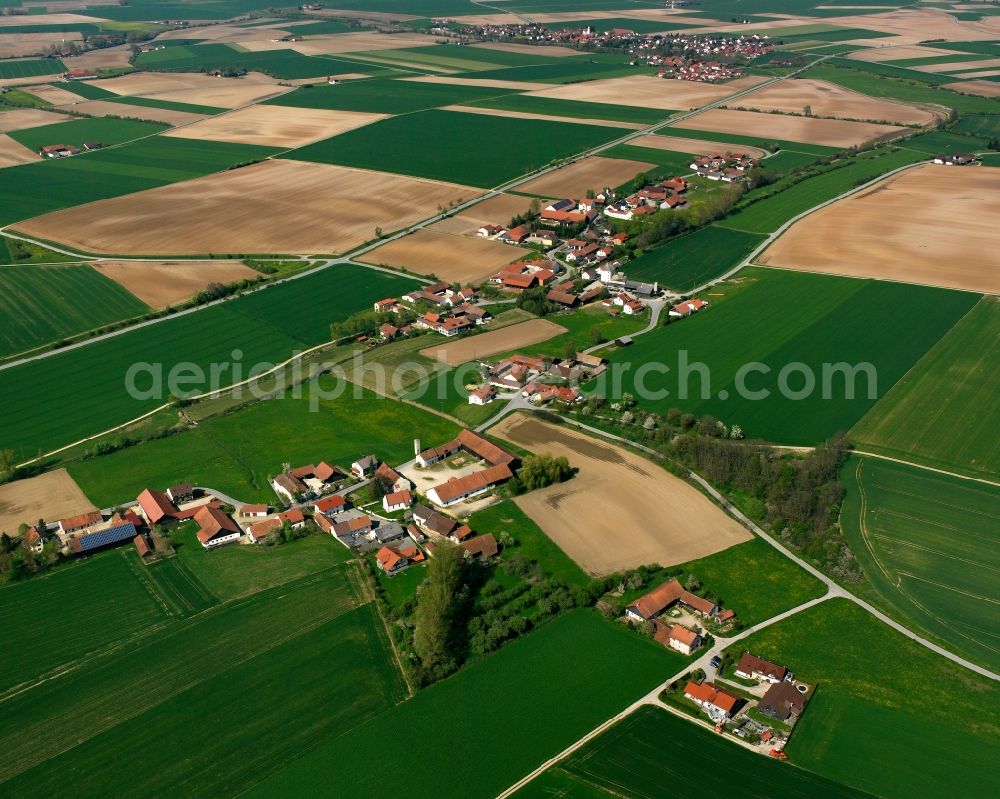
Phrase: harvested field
pixel 496 112
pixel 471 348
pixel 50 19
pixel 276 126
pixel 13 153
pixel 983 88
pixel 100 108
pixel 56 95
pixel 17 45
pixel 829 100
pixel 101 58
pixel 656 517
pixel 829 132
pixel 645 91
pixel 454 259
pixel 880 54
pixel 913 25
pixel 986 73
pixel 50 496
pixel 926 225
pixel 163 283
pixel 547 50
pixel 364 41
pixel 28 118
pixel 516 85
pixel 497 210
pixel 594 172
pixel 277 206
pixel 194 88
pixel 679 144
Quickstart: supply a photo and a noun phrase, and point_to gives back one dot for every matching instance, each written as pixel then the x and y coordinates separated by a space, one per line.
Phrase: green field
pixel 175 584
pixel 74 612
pixel 943 141
pixel 755 580
pixel 775 318
pixel 105 130
pixel 601 25
pixel 900 84
pixel 883 705
pixel 653 753
pixel 227 697
pixel 770 213
pixel 574 109
pixel 677 162
pixel 927 546
pixel 31 67
pixel 750 141
pixel 690 260
pixel 530 541
pixel 454 57
pixel 927 61
pixel 567 70
pixel 169 105
pixel 384 96
pixel 40 304
pixel 262 328
pixel 285 64
pixel 957 381
pixel 236 453
pixel 532 699
pixel 88 90
pixel 234 572
pixel 55 183
pixel 434 144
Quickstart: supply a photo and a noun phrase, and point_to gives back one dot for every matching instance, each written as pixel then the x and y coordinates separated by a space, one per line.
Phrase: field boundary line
pixel 945 472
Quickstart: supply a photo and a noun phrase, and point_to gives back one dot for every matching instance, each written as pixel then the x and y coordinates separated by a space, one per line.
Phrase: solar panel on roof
pixel 113 535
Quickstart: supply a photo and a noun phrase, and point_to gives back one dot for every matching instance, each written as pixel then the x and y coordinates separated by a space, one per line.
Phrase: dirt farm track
pixel 274 206
pixel 655 518
pixel 931 224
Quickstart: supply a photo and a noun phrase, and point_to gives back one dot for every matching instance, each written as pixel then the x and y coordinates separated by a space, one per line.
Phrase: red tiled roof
pixel 748 664
pixel 482 546
pixel 82 520
pixel 460 486
pixel 250 509
pixel 212 522
pixel 293 516
pixel 388 558
pixel 261 529
pixel 156 505
pixel 331 503
pixel 399 498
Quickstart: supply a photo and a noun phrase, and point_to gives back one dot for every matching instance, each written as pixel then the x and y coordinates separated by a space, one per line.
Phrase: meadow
pixel 384 96
pixel 433 144
pixel 455 57
pixel 530 541
pixel 88 90
pixel 943 141
pixel 687 261
pixel 883 80
pixel 70 614
pixel 567 70
pixel 534 688
pixel 677 162
pixel 814 320
pixel 574 109
pixel 768 214
pixel 654 753
pixel 30 67
pixel 175 584
pixel 34 189
pixel 883 703
pixel 956 381
pixel 234 572
pixel 259 328
pixel 75 132
pixel 41 304
pixel 219 704
pixel 284 64
pixel 237 452
pixel 755 580
pixel 925 541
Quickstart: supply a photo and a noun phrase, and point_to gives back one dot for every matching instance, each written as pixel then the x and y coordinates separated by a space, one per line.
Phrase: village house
pixel 957 159
pixel 142 547
pixel 215 527
pixel 81 521
pixel 516 235
pixel 330 505
pixel 391 479
pixel 259 531
pixel 458 489
pixel 255 511
pixel 363 467
pixel 350 529
pixel 388 305
pixel 482 395
pixel 397 500
pixel 719 703
pixel 387 532
pixel 306 480
pixel 156 507
pixel 751 667
pixel 482 547
pixel 677 636
pixel 393 560
pixel 437 524
pixel 470 442
pixel 180 493
pixel 687 308
pixel 294 517
pixel 489 231
pixel 35 539
pixel 660 599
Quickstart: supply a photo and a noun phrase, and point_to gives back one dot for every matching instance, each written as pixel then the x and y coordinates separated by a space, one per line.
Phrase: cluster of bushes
pixel 17 561
pixel 367 322
pixel 539 471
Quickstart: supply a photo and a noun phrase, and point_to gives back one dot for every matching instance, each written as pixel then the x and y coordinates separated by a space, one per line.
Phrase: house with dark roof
pixel 182 492
pixel 482 547
pixel 751 667
pixel 782 701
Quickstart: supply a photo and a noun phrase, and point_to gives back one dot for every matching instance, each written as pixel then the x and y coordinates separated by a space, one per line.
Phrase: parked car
pixel 715 662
